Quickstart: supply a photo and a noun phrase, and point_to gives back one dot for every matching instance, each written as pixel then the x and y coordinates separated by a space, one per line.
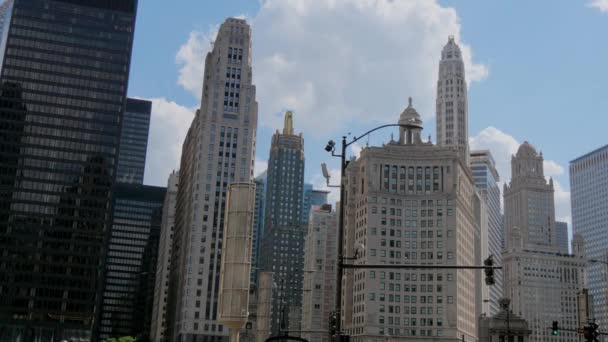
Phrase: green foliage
pixel 120 339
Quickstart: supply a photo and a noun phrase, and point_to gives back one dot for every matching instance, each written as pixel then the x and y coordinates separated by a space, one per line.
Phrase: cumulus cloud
pixel 552 169
pixel 601 5
pixel 503 146
pixel 319 182
pixel 168 127
pixel 340 61
pixel 190 59
pixel 259 167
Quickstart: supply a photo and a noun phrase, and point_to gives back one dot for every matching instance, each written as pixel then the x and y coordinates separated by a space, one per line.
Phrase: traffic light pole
pixel 420 267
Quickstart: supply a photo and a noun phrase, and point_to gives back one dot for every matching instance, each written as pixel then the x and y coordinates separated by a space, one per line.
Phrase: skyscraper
pixel 159 308
pixel 65 69
pixel 486 180
pixel 306 202
pixel 541 281
pixel 133 141
pixel 320 259
pixel 410 202
pixel 451 107
pixel 561 229
pixel 218 150
pixel 258 224
pixel 282 248
pixel 588 191
pixel 312 197
pixel 128 290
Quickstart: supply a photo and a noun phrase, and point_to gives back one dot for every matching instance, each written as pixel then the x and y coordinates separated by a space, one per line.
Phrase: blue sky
pixel 536 71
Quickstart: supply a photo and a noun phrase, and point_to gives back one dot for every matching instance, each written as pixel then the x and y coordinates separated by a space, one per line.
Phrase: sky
pixel 536 72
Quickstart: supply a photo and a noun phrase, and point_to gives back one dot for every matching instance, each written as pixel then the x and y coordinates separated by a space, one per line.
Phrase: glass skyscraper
pixel 282 247
pixel 63 83
pixel 128 291
pixel 486 180
pixel 588 192
pixel 133 141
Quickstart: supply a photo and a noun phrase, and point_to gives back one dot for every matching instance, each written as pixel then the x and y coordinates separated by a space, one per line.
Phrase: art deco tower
pixel 452 109
pixel 539 278
pixel 282 246
pixel 218 150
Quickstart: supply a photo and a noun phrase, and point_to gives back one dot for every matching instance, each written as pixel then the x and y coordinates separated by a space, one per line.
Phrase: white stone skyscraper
pixel 159 305
pixel 540 279
pixel 320 258
pixel 218 150
pixel 452 123
pixel 410 202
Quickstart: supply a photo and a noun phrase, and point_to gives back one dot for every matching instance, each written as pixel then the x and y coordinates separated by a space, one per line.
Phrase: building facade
pixel 65 69
pixel 128 290
pixel 134 141
pixel 486 179
pixel 562 236
pixel 282 247
pixel 159 307
pixel 311 198
pixel 218 150
pixel 588 192
pixel 541 281
pixel 320 260
pixel 452 116
pixel 503 325
pixel 258 225
pixel 410 202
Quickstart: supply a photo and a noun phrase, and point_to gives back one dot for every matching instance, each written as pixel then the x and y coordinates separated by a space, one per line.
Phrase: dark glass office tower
pixel 63 83
pixel 133 142
pixel 128 293
pixel 282 245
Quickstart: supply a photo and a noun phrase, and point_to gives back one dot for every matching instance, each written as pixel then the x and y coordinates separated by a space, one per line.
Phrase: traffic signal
pixel 333 324
pixel 489 270
pixel 344 338
pixel 594 333
pixel 555 328
pixel 590 332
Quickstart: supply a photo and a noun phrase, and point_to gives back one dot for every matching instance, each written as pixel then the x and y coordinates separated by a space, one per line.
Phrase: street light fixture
pixel 330 147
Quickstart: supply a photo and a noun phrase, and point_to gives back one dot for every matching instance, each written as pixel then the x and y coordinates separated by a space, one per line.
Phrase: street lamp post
pixel 343 164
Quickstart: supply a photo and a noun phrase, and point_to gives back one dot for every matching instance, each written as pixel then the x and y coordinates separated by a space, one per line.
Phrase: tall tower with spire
pixel 538 277
pixel 451 105
pixel 282 246
pixel 218 150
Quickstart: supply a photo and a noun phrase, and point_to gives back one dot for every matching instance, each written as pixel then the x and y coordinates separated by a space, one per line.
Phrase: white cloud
pixel 602 5
pixel 355 149
pixel 552 169
pixel 190 59
pixel 259 167
pixel 319 182
pixel 168 127
pixel 503 146
pixel 340 61
pixel 562 204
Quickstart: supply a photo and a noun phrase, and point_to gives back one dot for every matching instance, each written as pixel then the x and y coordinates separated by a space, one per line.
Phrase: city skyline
pixel 117 202
pixel 492 126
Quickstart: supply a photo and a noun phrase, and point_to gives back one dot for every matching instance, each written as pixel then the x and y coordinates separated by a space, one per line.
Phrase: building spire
pixel 288 126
